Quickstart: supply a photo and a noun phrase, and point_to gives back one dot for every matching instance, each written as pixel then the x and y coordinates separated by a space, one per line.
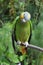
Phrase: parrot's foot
pixel 26 44
pixel 18 42
pixel 19 64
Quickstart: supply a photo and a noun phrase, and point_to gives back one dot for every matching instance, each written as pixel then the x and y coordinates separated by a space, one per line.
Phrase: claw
pixel 18 42
pixel 26 44
pixel 19 64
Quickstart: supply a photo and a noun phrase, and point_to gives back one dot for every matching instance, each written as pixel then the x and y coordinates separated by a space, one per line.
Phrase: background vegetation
pixel 9 10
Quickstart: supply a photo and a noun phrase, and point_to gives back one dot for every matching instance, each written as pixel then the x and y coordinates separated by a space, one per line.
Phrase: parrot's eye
pixel 24 14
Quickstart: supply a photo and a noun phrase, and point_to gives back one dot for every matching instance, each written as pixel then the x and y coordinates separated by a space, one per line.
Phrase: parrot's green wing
pixel 30 32
pixel 14 22
pixel 13 32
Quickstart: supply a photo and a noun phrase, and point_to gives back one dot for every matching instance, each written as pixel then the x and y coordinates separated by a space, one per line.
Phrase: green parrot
pixel 22 31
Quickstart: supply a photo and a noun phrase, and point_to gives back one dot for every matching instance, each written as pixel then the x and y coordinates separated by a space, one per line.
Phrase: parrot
pixel 22 32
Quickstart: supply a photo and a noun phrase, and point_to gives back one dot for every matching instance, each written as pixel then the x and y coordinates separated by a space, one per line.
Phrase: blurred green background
pixel 9 10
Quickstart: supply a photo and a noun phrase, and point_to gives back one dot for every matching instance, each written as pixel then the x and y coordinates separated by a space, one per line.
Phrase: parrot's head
pixel 25 16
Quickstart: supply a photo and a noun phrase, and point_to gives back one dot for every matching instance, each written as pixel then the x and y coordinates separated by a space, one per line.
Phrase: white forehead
pixel 26 13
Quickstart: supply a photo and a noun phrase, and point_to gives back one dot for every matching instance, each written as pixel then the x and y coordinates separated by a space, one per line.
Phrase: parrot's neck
pixel 24 23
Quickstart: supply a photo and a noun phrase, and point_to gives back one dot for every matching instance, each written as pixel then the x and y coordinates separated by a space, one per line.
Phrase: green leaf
pixel 22 57
pixel 13 57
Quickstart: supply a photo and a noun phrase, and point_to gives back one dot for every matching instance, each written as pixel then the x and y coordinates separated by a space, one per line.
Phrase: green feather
pixel 22 31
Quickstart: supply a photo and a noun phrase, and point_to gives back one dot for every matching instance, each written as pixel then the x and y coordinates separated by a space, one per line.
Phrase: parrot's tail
pixel 23 50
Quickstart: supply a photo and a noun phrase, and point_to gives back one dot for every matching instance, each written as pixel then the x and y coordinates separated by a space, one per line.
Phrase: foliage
pixel 9 10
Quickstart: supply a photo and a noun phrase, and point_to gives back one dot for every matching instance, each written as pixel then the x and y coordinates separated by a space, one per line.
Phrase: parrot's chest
pixel 22 31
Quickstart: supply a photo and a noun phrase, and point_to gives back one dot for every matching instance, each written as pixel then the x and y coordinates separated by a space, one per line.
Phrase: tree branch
pixel 35 47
